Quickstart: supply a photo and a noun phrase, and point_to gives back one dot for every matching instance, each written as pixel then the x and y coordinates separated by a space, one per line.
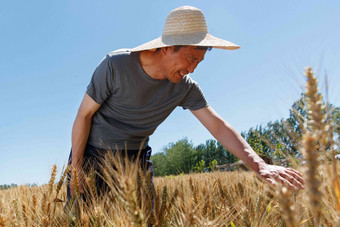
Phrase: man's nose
pixel 191 68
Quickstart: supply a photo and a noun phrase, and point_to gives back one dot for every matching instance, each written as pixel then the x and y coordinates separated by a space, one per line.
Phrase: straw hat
pixel 186 25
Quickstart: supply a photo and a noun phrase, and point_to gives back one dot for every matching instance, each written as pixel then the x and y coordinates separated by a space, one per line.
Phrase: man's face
pixel 182 62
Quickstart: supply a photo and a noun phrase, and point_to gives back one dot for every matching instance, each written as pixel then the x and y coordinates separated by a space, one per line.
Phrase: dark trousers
pixel 93 158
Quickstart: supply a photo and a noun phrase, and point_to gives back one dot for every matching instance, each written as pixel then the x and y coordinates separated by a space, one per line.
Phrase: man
pixel 133 91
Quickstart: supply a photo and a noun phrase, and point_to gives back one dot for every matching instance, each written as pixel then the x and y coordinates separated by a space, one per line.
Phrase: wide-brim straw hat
pixel 186 25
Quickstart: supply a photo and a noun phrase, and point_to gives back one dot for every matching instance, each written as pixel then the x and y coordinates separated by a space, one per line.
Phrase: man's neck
pixel 152 64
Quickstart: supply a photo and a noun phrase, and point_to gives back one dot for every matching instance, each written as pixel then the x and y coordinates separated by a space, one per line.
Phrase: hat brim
pixel 187 40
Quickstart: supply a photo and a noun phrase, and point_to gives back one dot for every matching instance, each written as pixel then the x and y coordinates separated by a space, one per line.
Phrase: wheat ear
pixel 314 141
pixel 161 212
pixel 311 175
pixel 194 191
pixel 52 179
pixel 34 209
pixel 315 112
pixel 287 206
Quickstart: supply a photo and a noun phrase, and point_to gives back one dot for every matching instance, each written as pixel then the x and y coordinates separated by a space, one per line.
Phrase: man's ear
pixel 166 50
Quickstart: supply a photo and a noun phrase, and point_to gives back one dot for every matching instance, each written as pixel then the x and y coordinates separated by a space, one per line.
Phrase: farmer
pixel 133 91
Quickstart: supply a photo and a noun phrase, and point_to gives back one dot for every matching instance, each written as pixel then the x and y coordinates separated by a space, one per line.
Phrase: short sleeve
pixel 101 84
pixel 194 100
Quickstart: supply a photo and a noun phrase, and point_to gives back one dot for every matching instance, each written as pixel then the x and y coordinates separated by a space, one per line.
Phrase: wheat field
pixel 234 198
pixel 204 199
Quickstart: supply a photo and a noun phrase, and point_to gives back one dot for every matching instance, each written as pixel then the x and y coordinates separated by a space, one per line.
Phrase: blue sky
pixel 49 50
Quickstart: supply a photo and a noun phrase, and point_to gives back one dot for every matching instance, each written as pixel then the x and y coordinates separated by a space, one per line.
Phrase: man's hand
pixel 277 174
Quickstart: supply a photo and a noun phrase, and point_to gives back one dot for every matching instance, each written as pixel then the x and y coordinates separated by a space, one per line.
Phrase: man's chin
pixel 176 79
pixel 175 82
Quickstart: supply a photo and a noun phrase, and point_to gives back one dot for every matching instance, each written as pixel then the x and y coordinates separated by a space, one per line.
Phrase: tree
pixel 200 167
pixel 224 156
pixel 279 140
pixel 176 158
pixel 212 165
pixel 159 161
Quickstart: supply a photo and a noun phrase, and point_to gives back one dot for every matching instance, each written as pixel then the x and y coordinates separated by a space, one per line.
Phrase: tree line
pixel 278 140
pixel 8 186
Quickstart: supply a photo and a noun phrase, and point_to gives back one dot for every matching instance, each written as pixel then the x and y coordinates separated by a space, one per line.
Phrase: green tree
pixel 180 157
pixel 200 167
pixel 212 165
pixel 159 161
pixel 200 151
pixel 211 151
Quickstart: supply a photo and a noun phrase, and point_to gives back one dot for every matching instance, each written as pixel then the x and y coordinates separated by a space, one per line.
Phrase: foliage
pixel 200 167
pixel 279 140
pixel 212 164
pixel 183 157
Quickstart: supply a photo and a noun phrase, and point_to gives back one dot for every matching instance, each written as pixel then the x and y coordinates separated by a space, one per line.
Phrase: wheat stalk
pixel 287 206
pixel 34 207
pixel 52 179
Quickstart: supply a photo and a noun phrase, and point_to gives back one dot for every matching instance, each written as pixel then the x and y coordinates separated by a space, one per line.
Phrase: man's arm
pixel 235 143
pixel 80 132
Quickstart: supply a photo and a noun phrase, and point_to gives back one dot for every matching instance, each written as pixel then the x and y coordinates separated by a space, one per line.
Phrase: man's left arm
pixel 235 143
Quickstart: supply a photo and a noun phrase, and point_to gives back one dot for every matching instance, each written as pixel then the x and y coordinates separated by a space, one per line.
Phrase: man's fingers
pixel 295 171
pixel 286 176
pixel 294 178
pixel 283 181
pixel 291 181
pixel 297 174
pixel 271 181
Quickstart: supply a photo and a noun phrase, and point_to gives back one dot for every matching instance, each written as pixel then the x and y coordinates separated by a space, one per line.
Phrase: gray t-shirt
pixel 132 103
